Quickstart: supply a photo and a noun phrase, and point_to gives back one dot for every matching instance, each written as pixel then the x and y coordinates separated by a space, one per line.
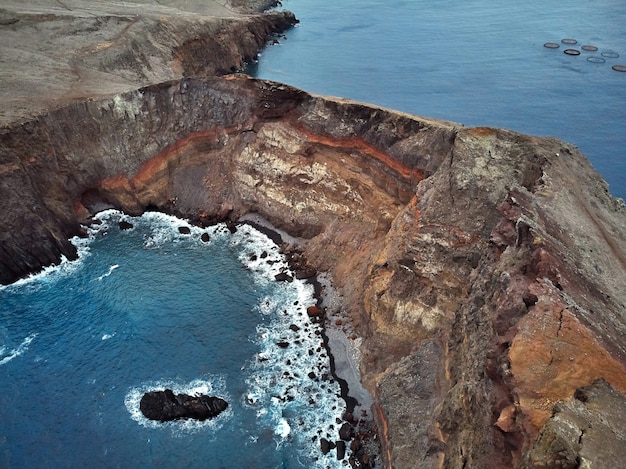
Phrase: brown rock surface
pixel 485 270
pixel 53 53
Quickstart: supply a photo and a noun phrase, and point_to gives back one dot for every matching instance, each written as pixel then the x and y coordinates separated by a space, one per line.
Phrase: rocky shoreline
pixel 357 430
pixel 483 270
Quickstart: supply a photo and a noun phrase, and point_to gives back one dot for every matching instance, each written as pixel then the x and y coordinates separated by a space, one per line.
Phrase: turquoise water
pixel 151 308
pixel 475 62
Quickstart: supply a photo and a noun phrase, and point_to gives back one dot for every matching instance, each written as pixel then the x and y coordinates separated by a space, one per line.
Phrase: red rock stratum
pixel 484 269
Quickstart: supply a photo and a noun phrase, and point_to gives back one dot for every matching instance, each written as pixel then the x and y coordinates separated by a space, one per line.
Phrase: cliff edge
pixel 484 269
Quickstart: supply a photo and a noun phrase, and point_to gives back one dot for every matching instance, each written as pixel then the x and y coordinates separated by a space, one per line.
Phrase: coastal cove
pixel 470 287
pixel 155 306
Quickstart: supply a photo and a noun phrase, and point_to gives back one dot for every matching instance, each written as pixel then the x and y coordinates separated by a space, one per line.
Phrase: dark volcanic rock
pixel 341 449
pixel 165 405
pixel 283 277
pixel 326 445
pixel 346 432
pixel 485 270
pixel 124 225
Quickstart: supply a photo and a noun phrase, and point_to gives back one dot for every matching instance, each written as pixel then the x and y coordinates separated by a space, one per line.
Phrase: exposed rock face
pixel 486 270
pixel 165 406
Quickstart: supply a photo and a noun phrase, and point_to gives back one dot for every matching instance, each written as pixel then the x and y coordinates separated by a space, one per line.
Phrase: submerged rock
pixel 124 225
pixel 165 406
pixel 283 277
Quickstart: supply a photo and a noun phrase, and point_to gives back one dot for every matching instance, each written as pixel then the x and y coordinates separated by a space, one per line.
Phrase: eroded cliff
pixel 484 269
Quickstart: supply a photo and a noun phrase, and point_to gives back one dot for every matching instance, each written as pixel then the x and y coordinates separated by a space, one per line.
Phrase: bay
pixel 152 308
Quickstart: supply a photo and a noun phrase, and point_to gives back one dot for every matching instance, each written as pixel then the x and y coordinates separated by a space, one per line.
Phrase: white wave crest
pixel 109 272
pixel 7 357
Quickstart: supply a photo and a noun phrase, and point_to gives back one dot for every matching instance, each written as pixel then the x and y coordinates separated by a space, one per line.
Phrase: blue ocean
pixel 475 62
pixel 153 308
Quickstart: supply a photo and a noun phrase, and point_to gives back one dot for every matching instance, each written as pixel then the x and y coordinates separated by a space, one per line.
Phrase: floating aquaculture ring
pixel 569 41
pixel 609 54
pixel 571 52
pixel 596 60
pixel 551 45
pixel 619 68
pixel 589 48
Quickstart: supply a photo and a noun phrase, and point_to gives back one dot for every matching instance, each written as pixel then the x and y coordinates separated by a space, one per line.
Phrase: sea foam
pixel 209 385
pixel 6 357
pixel 291 383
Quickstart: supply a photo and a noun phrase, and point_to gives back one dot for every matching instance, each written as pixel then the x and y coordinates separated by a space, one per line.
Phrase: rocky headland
pixel 484 270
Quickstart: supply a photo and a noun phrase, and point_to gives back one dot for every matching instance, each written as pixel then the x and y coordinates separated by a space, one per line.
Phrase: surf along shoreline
pixel 358 428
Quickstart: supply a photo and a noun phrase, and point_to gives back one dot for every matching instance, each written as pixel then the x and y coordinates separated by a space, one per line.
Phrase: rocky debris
pixel 165 406
pixel 360 435
pixel 184 230
pixel 124 225
pixel 485 270
pixel 586 430
pixel 297 261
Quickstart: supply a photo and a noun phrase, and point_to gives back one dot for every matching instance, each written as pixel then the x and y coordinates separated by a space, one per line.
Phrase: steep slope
pixel 484 269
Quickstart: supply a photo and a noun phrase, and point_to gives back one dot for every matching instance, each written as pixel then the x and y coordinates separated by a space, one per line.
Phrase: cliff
pixel 484 269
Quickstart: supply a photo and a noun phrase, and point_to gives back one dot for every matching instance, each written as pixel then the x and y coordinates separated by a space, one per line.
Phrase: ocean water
pixel 151 308
pixel 476 62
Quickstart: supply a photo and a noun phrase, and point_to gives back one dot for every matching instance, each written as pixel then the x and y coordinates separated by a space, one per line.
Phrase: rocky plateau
pixel 484 270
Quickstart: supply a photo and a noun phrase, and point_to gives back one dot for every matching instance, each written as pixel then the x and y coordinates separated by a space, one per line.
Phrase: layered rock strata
pixel 485 269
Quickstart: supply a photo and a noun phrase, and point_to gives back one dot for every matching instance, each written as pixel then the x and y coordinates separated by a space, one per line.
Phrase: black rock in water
pixel 283 277
pixel 124 225
pixel 165 406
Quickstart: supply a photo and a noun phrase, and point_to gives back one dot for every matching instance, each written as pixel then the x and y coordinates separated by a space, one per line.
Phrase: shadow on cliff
pixel 484 268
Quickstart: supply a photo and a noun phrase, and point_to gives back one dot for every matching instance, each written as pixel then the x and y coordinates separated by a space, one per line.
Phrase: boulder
pixel 313 311
pixel 341 449
pixel 165 406
pixel 283 277
pixel 326 445
pixel 346 432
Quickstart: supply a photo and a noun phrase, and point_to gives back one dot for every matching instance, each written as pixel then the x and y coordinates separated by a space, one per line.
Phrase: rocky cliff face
pixel 484 269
